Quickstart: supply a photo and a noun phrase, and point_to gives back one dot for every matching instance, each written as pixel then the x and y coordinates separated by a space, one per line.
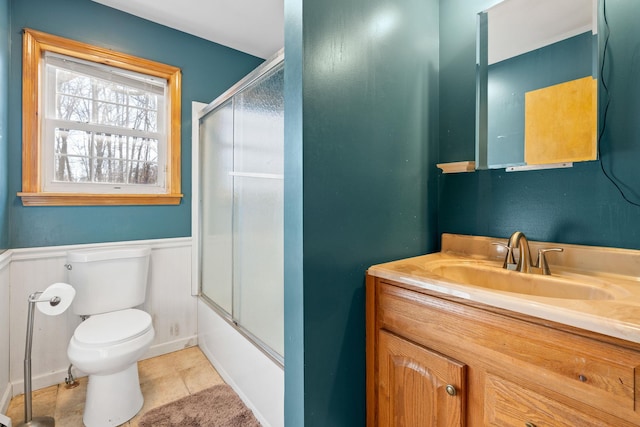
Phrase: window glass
pixel 105 125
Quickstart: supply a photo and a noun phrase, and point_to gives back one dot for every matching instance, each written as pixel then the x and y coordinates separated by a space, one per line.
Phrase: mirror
pixel 537 68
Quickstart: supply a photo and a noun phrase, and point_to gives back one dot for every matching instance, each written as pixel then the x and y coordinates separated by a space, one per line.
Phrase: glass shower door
pixel 258 223
pixel 242 186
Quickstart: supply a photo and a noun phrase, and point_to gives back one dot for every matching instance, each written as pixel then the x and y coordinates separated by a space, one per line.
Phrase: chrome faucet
pixel 524 265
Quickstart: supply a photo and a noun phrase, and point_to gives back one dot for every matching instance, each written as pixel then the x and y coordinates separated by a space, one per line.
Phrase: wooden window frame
pixel 35 43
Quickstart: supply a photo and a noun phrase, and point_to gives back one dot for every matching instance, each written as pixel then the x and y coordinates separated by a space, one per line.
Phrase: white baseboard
pixel 170 347
pixel 6 399
pixel 40 381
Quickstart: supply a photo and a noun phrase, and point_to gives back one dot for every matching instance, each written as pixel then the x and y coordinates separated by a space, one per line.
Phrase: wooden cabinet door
pixel 418 387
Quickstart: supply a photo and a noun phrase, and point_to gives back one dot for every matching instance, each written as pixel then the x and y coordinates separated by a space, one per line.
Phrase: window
pixel 99 127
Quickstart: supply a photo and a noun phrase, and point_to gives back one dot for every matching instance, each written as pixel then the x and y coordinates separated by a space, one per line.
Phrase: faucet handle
pixel 542 259
pixel 504 245
pixel 509 260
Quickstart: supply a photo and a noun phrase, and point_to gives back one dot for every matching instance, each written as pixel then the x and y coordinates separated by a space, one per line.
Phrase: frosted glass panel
pixel 258 209
pixel 242 250
pixel 259 130
pixel 258 256
pixel 216 138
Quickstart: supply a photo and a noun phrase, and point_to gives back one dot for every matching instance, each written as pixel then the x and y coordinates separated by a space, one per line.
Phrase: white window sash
pixel 114 130
pixel 49 124
pixel 105 72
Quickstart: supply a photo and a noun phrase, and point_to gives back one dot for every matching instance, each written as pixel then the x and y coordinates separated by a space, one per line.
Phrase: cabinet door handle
pixel 529 424
pixel 451 390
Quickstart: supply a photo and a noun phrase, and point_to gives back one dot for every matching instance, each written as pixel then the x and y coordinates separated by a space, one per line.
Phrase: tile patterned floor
pixel 163 379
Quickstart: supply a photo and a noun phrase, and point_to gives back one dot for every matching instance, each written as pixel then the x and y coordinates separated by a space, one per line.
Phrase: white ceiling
pixel 519 26
pixel 255 27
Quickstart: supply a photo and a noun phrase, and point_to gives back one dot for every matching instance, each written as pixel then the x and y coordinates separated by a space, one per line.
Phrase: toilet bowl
pixel 107 348
pixel 108 344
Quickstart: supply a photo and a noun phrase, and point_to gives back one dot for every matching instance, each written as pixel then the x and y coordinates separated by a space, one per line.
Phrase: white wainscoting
pixel 169 301
pixel 257 379
pixel 5 383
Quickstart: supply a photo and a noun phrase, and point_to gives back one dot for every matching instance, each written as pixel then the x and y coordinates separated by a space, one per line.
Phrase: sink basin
pixel 498 279
pixel 596 289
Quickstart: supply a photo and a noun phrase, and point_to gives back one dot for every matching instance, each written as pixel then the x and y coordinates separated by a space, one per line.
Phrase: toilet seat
pixel 113 328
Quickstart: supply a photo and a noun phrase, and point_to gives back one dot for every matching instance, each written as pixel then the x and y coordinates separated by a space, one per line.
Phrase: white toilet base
pixel 113 399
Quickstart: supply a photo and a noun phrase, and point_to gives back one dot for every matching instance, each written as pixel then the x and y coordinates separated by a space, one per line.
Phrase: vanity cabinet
pixel 436 360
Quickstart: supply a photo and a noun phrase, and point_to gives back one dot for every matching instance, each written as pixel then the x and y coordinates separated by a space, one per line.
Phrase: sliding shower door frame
pixel 228 316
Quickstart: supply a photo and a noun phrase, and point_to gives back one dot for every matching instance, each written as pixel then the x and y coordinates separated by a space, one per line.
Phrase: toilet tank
pixel 108 279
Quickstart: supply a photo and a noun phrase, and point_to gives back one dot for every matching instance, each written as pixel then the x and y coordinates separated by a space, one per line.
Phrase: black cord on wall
pixel 606 107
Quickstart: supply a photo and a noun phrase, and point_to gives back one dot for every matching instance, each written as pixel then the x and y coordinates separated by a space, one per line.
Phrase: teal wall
pixel 4 87
pixel 508 81
pixel 208 70
pixel 361 128
pixel 578 205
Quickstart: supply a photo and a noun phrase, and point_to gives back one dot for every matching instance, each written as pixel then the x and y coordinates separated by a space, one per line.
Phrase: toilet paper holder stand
pixel 34 299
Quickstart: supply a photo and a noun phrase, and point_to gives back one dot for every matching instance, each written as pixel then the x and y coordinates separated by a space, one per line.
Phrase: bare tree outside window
pixel 118 148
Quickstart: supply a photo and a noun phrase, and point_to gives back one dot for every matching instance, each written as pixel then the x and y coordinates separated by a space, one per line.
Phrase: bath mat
pixel 218 406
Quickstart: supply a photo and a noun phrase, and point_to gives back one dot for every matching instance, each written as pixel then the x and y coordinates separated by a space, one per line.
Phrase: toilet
pixel 109 284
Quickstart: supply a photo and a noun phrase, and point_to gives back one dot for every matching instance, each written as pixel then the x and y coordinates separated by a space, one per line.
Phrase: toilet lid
pixel 113 328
